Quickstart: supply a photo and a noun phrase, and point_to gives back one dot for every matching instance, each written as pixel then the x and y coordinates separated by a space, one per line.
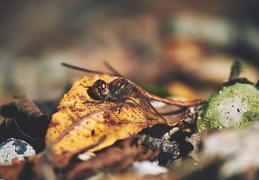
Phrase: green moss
pixel 232 107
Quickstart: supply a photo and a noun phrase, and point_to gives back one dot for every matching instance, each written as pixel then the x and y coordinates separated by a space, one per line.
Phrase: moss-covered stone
pixel 233 106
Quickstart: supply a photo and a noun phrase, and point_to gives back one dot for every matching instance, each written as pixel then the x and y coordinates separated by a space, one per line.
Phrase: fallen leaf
pixel 82 120
pixel 22 119
pixel 121 156
pixel 48 165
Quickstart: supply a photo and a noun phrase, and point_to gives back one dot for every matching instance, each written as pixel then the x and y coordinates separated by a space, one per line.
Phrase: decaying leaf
pixel 22 119
pixel 48 165
pixel 82 120
pixel 121 157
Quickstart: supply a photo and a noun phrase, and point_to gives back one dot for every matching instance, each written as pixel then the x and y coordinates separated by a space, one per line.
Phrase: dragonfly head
pixel 99 90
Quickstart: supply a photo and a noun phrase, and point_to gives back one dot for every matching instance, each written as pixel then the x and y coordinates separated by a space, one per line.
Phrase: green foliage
pixel 154 89
pixel 236 69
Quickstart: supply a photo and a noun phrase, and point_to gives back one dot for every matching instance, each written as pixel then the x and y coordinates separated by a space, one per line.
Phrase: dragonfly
pixel 122 88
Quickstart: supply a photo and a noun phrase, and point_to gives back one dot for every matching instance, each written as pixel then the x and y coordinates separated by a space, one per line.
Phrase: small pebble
pixel 148 168
pixel 14 148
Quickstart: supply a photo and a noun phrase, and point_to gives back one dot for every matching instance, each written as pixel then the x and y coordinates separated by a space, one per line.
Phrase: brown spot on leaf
pixel 106 115
pixel 92 133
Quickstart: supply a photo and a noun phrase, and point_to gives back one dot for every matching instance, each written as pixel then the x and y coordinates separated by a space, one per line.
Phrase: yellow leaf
pixel 82 120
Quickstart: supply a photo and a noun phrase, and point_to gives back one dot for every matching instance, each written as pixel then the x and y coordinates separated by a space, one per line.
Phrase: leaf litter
pixel 118 124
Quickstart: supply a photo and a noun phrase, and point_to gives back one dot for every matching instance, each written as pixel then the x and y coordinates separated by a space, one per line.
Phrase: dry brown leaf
pixel 82 121
pixel 48 165
pixel 22 119
pixel 121 157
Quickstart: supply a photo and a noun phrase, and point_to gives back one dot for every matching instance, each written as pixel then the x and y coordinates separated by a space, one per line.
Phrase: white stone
pixel 14 148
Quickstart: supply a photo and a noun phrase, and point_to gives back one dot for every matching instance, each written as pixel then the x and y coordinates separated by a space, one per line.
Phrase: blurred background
pixel 185 47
